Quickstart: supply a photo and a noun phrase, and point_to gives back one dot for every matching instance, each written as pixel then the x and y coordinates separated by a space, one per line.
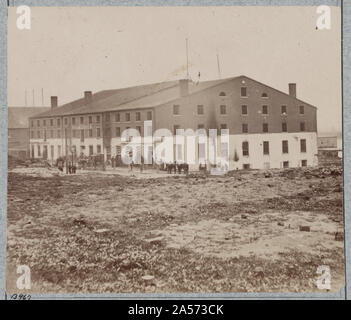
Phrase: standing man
pixel 141 164
pixel 131 163
pixel 74 168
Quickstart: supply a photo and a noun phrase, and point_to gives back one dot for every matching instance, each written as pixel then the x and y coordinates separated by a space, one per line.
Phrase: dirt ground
pixel 122 232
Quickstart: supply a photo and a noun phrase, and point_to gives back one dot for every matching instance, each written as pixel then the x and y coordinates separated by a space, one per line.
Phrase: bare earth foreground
pixel 103 232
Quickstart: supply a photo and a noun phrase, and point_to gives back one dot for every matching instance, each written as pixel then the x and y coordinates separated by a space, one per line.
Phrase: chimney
pixel 88 96
pixel 53 101
pixel 292 89
pixel 184 87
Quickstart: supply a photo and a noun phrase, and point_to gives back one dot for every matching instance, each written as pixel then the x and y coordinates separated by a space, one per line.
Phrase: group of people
pixel 115 161
pixel 174 167
pixel 71 166
pixel 202 167
pixel 141 165
pixel 171 167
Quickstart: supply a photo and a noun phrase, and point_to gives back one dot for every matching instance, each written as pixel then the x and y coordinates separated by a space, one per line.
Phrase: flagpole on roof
pixel 187 59
pixel 219 67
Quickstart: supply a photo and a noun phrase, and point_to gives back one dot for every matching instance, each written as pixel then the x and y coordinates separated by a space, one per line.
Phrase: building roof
pixel 286 94
pixel 18 116
pixel 139 97
pixel 144 96
pixel 110 98
pixel 163 95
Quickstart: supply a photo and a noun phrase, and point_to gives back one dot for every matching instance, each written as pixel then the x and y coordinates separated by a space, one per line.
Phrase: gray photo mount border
pixel 346 98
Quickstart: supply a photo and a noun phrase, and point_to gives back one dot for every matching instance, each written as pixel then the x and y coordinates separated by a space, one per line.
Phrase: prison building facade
pixel 267 127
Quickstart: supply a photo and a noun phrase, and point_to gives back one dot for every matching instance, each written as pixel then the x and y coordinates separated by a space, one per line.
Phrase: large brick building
pixel 267 128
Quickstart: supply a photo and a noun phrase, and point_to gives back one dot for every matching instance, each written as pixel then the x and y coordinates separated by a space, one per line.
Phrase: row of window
pixel 246 166
pixel 91 149
pixel 90 119
pixel 51 122
pixel 80 133
pixel 57 134
pixel 117 131
pixel 243 93
pixel 285 147
pixel 245 148
pixel 52 134
pixel 266 165
pixel 127 116
pixel 74 149
pixel 244 109
pixel 245 127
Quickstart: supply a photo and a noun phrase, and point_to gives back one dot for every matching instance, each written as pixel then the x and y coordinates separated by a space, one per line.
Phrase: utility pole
pixel 66 151
pixel 33 98
pixel 219 67
pixel 42 97
pixel 187 59
pixel 25 97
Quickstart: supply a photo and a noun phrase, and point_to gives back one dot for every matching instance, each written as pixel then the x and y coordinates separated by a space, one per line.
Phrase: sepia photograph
pixel 174 150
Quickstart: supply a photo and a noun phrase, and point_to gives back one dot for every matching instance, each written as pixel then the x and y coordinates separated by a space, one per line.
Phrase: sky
pixel 69 50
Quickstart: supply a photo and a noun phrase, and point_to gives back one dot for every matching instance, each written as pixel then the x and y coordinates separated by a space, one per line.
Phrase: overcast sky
pixel 73 49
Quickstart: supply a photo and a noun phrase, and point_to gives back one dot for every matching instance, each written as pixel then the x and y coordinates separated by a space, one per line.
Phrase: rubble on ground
pixel 174 232
pixel 45 172
pixel 13 162
pixel 317 172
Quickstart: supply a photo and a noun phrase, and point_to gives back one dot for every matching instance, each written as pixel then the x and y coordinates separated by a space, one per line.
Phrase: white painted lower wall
pixel 94 142
pixel 59 147
pixel 256 159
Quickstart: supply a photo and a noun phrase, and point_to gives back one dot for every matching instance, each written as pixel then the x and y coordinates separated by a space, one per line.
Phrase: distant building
pixel 267 128
pixel 18 129
pixel 329 147
pixel 327 142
